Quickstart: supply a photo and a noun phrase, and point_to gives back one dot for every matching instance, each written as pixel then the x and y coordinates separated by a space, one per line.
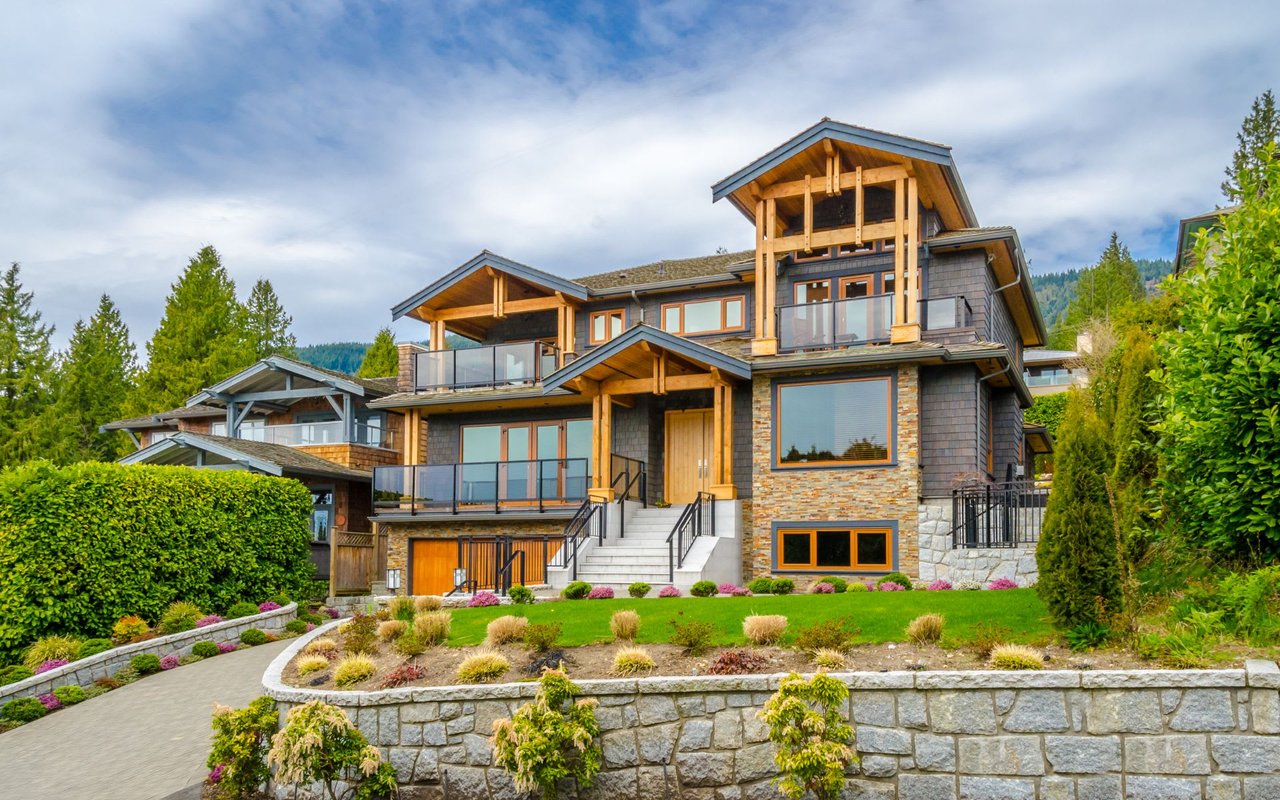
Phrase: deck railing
pixel 858 320
pixel 1009 514
pixel 305 434
pixel 489 486
pixel 944 313
pixel 508 364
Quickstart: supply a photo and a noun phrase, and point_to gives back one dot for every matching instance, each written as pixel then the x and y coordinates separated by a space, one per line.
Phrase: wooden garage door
pixel 433 562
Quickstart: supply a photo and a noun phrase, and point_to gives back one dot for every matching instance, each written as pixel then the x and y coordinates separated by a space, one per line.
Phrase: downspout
pixel 636 298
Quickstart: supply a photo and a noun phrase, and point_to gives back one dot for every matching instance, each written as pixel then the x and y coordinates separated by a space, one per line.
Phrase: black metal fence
pixel 1006 514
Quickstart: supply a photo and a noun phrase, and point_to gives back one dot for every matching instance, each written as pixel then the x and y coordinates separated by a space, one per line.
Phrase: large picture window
pixel 835 549
pixel 834 423
pixel 718 315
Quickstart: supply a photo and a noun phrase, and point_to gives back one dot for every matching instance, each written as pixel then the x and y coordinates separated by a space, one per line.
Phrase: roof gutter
pixel 674 283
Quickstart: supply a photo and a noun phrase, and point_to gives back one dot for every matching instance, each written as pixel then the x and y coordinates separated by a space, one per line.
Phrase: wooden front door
pixel 432 562
pixel 689 439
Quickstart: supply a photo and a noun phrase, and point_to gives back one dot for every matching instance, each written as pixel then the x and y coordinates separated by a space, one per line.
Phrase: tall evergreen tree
pixel 26 370
pixel 1133 442
pixel 266 323
pixel 200 340
pixel 381 360
pixel 1077 553
pixel 95 380
pixel 1101 291
pixel 1259 129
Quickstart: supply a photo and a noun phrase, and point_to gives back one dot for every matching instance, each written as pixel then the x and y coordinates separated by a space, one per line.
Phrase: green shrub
pixel 704 589
pixel 280 598
pixel 409 643
pixel 695 636
pixel 51 648
pixel 639 589
pixel 14 673
pixel 895 577
pixel 576 590
pixel 360 634
pixel 806 724
pixel 91 647
pixel 24 709
pixel 69 695
pixel 550 740
pixel 242 609
pixel 829 634
pixel 240 742
pixel 314 619
pixel 210 536
pixel 432 627
pixel 178 617
pixel 837 583
pixel 482 667
pixel 856 586
pixel 761 585
pixel 986 637
pixel 205 649
pixel 1087 636
pixel 783 586
pixel 320 744
pixel 295 626
pixel 520 595
pixel 254 637
pixel 401 608
pixel 541 637
pixel 145 663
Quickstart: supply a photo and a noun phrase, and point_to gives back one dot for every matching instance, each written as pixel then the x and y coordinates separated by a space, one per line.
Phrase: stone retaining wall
pixel 87 670
pixel 938 559
pixel 1054 735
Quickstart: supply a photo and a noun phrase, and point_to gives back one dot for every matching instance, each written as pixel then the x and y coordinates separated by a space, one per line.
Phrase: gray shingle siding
pixel 949 443
pixel 1008 432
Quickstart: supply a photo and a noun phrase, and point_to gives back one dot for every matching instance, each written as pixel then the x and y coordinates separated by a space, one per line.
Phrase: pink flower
pixel 600 593
pixel 331 613
pixel 483 599
pixel 726 588
pixel 52 663
pixel 822 588
pixel 1002 583
pixel 890 586
pixel 169 662
pixel 50 702
pixel 216 775
pixel 739 591
pixel 204 622
pixel 311 626
pixel 226 647
pixel 940 585
pixel 268 606
pixel 668 591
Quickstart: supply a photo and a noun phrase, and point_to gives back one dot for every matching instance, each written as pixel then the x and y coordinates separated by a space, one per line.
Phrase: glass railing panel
pixel 863 319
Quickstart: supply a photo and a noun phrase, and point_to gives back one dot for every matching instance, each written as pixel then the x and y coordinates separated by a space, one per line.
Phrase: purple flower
pixel 822 588
pixel 169 662
pixel 739 591
pixel 600 593
pixel 668 591
pixel 940 585
pixel 310 627
pixel 331 613
pixel 726 588
pixel 890 586
pixel 50 702
pixel 483 599
pixel 216 775
pixel 52 663
pixel 226 647
pixel 1002 583
pixel 268 606
pixel 212 619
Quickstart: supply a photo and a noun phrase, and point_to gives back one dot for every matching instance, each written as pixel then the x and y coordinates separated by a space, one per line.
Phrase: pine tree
pixel 1133 442
pixel 381 360
pixel 1259 129
pixel 266 323
pixel 95 379
pixel 1102 290
pixel 26 370
pixel 200 339
pixel 1076 555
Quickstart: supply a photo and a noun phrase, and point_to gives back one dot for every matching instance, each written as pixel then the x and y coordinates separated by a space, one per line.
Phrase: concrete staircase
pixel 640 555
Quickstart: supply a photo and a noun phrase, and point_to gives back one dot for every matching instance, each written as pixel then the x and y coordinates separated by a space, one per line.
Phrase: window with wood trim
pixel 835 548
pixel 696 317
pixel 834 423
pixel 606 325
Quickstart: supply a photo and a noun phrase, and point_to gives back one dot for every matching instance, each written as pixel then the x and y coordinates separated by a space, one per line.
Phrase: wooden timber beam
pixel 673 383
pixel 808 214
pixel 857 207
pixel 508 307
pixel 872 175
pixel 760 278
pixel 834 236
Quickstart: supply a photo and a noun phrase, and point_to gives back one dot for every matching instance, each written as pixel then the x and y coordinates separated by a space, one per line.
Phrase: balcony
pixel 510 364
pixel 835 323
pixel 481 487
pixel 1058 377
pixel 306 434
pixel 945 313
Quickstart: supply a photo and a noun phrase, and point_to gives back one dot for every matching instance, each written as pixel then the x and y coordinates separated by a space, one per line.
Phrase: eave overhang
pixel 655 339
pixel 484 259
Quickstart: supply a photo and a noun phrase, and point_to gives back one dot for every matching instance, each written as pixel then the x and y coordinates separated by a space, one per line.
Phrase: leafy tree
pixel 1260 129
pixel 200 339
pixel 1047 410
pixel 267 325
pixel 1076 555
pixel 26 370
pixel 1220 400
pixel 1101 291
pixel 382 359
pixel 95 378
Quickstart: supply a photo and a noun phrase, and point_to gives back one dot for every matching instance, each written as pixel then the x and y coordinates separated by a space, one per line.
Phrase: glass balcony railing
pixel 858 320
pixel 305 434
pixel 510 364
pixel 1050 379
pixel 490 486
pixel 944 313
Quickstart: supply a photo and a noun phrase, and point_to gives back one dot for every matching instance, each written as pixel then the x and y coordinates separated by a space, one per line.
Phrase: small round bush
pixel 128 628
pixel 727 588
pixel 895 577
pixel 51 648
pixel 483 599
pixel 309 664
pixel 761 585
pixel 1015 656
pixel 296 626
pixel 254 637
pixel 205 649
pixel 639 589
pixel 241 609
pixel 576 590
pixel 281 600
pixel 354 669
pixel 50 701
pixel 178 617
pixel 632 661
pixel 69 695
pixel 822 587
pixel 968 586
pixel 14 673
pixel 482 668
pixel 857 586
pixel 837 583
pixel 520 595
pixel 783 586
pixel 940 585
pixel 410 644
pixel 145 663
pixel 269 605
pixel 169 662
pixel 24 709
pixel 91 647
pixel 668 591
pixel 703 589
pixel 1002 583
pixel 891 586
pixel 600 593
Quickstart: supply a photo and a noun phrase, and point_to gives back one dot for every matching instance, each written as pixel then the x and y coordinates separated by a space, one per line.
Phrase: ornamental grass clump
pixel 320 744
pixel 503 630
pixel 625 625
pixel 811 736
pixel 391 629
pixel 402 609
pixel 353 669
pixel 178 617
pixel 764 628
pixel 426 603
pixel 238 758
pixel 1015 656
pixel 51 648
pixel 632 661
pixel 828 659
pixel 432 627
pixel 552 739
pixel 926 629
pixel 309 664
pixel 482 667
pixel 323 646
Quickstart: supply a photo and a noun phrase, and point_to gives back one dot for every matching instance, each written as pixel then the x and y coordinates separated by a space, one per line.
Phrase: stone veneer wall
pixel 87 670
pixel 1054 735
pixel 938 559
pixel 399 533
pixel 834 494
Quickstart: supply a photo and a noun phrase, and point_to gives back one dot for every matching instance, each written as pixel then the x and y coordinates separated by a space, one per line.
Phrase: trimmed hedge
pixel 83 545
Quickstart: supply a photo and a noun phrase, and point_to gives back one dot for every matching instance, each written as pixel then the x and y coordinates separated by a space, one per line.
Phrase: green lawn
pixel 881 616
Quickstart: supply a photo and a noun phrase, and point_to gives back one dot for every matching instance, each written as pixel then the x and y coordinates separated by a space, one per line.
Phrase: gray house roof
pixel 675 269
pixel 270 459
pixel 482 258
pixel 646 333
pixel 263 375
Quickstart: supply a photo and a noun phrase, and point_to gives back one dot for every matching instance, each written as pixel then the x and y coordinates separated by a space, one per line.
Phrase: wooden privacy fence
pixel 355 561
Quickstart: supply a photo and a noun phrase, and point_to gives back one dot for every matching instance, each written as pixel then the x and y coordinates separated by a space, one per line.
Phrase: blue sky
pixel 353 152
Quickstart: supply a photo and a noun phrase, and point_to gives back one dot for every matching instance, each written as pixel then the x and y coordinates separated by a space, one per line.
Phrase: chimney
pixel 1084 342
pixel 405 374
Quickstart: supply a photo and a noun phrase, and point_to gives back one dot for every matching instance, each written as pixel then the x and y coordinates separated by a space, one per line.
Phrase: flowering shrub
pixel 890 586
pixel 311 626
pixel 483 599
pixel 206 621
pixel 940 585
pixel 600 593
pixel 168 662
pixel 319 743
pixel 268 606
pixel 1002 583
pixel 741 591
pixel 226 647
pixel 331 613
pixel 822 588
pixel 668 591
pixel 215 774
pixel 128 628
pixel 968 586
pixel 52 663
pixel 727 588
pixel 50 702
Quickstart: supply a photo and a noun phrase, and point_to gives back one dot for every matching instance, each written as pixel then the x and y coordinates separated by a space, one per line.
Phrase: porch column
pixel 348 420
pixel 601 439
pixel 722 442
pixel 906 326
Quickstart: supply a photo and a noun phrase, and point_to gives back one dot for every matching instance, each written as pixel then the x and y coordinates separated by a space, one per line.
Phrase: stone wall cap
pixel 1262 674
pixel 1163 678
pixel 1000 679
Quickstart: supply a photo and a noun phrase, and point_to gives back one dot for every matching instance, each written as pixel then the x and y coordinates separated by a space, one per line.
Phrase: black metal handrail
pixel 689 527
pixel 633 473
pixel 1006 514
pixel 489 365
pixel 591 514
pixel 480 486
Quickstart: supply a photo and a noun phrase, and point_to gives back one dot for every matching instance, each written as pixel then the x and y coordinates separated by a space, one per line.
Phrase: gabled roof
pixel 675 269
pixel 163 419
pixel 685 348
pixel 482 259
pixel 255 377
pixel 270 459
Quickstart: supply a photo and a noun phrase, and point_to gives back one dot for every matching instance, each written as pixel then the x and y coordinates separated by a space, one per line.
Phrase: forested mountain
pixel 346 356
pixel 1055 290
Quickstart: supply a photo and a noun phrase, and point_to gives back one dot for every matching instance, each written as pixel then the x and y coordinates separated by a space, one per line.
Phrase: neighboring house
pixel 1053 371
pixel 1189 229
pixel 282 417
pixel 818 402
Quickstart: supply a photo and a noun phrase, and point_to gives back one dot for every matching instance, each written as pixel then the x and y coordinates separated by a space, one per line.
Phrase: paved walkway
pixel 144 741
